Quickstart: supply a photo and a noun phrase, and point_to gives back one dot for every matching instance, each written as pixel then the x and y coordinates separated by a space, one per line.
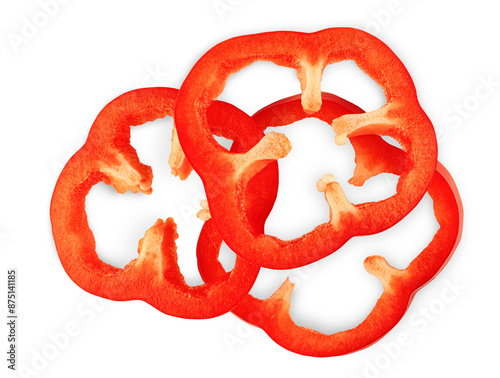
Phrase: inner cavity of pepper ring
pixel 314 151
pixel 119 221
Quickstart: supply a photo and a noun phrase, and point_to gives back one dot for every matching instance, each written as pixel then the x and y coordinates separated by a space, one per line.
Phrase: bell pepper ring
pixel 400 286
pixel 154 277
pixel 373 156
pixel 227 174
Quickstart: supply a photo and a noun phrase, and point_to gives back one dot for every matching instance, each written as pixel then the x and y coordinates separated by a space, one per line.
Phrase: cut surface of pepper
pixel 227 174
pixel 154 276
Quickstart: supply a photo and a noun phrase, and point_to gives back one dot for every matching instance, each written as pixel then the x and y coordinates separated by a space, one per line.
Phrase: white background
pixel 54 79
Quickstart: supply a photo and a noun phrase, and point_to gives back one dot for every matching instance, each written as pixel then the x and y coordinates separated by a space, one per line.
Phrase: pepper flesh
pixel 227 173
pixel 373 156
pixel 154 276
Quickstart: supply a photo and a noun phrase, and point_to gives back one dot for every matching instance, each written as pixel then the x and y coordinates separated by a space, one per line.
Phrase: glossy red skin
pixel 154 276
pixel 402 118
pixel 400 286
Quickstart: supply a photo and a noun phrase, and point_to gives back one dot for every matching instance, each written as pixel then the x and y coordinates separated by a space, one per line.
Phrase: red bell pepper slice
pixel 227 174
pixel 400 286
pixel 154 276
pixel 373 156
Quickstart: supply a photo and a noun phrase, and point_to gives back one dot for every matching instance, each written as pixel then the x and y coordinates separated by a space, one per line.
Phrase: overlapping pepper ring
pixel 227 174
pixel 154 276
pixel 373 156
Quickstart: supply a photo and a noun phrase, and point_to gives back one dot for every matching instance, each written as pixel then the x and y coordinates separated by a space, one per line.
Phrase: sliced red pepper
pixel 373 156
pixel 227 174
pixel 154 276
pixel 400 286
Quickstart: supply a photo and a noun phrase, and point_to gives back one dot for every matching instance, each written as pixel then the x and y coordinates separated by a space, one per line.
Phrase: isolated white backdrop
pixel 60 64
